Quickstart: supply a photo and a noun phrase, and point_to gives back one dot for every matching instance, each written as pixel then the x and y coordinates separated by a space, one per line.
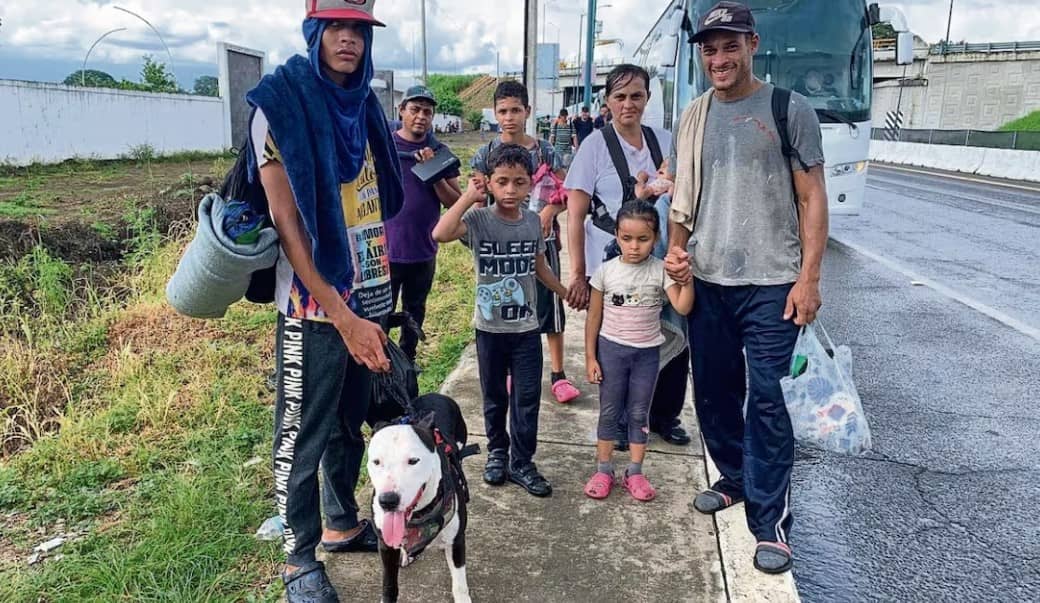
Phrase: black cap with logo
pixel 725 16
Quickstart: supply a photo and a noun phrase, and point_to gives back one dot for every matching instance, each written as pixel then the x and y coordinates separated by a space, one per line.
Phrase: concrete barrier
pixel 995 163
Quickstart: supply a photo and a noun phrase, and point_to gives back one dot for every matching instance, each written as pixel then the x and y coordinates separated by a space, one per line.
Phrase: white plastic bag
pixel 825 408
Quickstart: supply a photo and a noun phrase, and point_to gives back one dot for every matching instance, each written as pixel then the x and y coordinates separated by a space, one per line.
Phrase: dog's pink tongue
pixel 393 529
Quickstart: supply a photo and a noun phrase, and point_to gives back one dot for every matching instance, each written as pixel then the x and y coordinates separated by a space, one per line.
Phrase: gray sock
pixel 607 467
pixel 635 469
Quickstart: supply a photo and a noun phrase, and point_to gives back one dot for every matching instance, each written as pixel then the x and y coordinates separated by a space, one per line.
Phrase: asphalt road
pixel 937 290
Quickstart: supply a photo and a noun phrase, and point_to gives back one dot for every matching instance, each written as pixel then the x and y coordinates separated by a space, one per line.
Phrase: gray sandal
pixel 712 501
pixel 773 557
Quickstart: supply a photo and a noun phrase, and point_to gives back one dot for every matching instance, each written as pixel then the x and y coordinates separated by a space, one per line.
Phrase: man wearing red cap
pixel 322 150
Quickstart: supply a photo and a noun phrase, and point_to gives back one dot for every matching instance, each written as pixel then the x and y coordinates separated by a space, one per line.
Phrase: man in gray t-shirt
pixel 759 230
pixel 746 231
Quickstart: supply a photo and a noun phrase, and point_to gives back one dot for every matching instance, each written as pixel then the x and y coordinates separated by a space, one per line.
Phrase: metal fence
pixel 1023 141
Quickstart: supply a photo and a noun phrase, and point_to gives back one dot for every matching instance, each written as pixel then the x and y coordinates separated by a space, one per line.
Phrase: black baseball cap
pixel 419 92
pixel 725 16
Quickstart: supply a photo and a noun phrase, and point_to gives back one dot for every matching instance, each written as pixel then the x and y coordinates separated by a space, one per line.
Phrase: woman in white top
pixel 592 173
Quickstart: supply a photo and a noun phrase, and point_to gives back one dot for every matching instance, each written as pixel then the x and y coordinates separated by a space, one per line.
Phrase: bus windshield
pixel 819 48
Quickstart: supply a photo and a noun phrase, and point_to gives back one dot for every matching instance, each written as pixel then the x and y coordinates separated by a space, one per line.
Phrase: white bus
pixel 820 48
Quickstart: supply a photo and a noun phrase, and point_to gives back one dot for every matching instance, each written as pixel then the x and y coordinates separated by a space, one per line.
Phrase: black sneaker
pixel 531 480
pixel 309 584
pixel 495 468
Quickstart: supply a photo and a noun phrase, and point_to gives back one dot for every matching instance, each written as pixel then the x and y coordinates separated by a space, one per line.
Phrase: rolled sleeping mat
pixel 215 270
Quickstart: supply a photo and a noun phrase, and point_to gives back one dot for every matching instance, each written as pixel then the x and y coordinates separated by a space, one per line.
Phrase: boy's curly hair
pixel 510 155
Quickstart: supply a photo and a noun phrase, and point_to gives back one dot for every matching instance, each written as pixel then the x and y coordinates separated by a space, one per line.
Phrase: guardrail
pixel 1022 141
pixel 984 47
pixel 883 44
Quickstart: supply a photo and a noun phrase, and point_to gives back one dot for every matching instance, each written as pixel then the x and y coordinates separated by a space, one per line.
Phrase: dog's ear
pixel 426 420
pixel 425 436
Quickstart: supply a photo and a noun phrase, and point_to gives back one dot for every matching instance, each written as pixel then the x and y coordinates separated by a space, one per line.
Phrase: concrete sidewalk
pixel 569 548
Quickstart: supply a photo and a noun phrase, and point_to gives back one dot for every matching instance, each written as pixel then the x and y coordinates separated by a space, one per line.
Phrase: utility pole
pixel 531 61
pixel 590 64
pixel 581 48
pixel 425 71
pixel 949 22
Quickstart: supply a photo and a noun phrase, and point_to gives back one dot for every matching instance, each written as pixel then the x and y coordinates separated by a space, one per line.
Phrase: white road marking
pixel 917 279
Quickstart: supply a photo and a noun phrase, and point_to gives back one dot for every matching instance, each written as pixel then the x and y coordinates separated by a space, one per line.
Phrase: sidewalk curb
pixel 737 548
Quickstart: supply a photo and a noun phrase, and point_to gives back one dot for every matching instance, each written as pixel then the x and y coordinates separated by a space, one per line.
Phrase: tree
pixel 207 85
pixel 91 77
pixel 156 78
pixel 884 31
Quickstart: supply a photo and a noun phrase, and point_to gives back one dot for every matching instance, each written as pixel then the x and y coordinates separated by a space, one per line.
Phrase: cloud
pixel 462 36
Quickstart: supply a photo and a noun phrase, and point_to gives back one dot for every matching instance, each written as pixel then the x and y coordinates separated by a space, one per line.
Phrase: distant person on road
pixel 751 225
pixel 623 341
pixel 603 118
pixel 509 250
pixel 322 150
pixel 512 109
pixel 583 125
pixel 561 136
pixel 594 182
pixel 413 252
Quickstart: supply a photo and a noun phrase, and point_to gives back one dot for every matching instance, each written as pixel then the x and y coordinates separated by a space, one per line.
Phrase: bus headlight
pixel 847 169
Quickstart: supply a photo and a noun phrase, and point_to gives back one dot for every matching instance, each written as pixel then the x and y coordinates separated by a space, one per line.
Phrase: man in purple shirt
pixel 413 252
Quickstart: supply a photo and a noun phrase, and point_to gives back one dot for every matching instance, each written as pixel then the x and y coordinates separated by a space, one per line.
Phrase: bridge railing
pixel 1021 140
pixel 984 47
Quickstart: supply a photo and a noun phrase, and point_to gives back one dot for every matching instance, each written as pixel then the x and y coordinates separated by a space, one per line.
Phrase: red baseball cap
pixel 347 10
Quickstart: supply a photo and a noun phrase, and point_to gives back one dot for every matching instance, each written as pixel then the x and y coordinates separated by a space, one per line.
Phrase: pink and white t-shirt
pixel 633 295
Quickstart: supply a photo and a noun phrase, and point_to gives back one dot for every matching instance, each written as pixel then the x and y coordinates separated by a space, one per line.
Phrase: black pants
pixel 670 393
pixel 412 283
pixel 742 348
pixel 322 400
pixel 518 355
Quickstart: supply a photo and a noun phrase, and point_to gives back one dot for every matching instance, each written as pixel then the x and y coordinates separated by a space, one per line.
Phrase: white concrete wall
pixel 49 123
pixel 996 163
pixel 976 91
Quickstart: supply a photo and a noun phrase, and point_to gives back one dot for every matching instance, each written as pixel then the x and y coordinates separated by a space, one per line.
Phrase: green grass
pixel 158 416
pixel 1029 123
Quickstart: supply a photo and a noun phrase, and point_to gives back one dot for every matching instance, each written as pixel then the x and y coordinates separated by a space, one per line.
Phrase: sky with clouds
pixel 47 40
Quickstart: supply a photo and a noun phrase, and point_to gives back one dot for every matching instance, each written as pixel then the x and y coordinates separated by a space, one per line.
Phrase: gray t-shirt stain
pixel 504 255
pixel 747 223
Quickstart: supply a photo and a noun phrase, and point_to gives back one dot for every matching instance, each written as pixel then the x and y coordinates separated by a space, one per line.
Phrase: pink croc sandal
pixel 599 485
pixel 565 391
pixel 639 487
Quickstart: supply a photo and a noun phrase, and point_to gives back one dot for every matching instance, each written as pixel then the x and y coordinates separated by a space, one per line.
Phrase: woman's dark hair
pixel 625 73
pixel 640 210
pixel 511 89
pixel 563 113
pixel 509 155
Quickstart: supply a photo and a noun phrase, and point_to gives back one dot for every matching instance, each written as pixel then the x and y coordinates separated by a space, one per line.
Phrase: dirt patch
pixel 88 214
pixel 158 328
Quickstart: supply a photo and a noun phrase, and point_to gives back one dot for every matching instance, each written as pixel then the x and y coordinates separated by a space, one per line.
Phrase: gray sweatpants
pixel 629 378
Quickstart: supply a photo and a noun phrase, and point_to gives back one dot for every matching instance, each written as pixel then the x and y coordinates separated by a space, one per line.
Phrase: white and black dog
pixel 420 491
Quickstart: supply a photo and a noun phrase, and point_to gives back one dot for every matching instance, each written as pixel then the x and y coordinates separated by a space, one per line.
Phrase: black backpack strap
pixel 655 146
pixel 617 157
pixel 781 104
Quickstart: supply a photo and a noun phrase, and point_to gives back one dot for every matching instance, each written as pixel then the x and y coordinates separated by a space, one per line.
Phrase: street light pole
pixel 152 27
pixel 949 22
pixel 83 71
pixel 425 72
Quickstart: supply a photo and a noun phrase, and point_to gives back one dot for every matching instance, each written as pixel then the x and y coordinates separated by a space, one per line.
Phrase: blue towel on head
pixel 304 126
